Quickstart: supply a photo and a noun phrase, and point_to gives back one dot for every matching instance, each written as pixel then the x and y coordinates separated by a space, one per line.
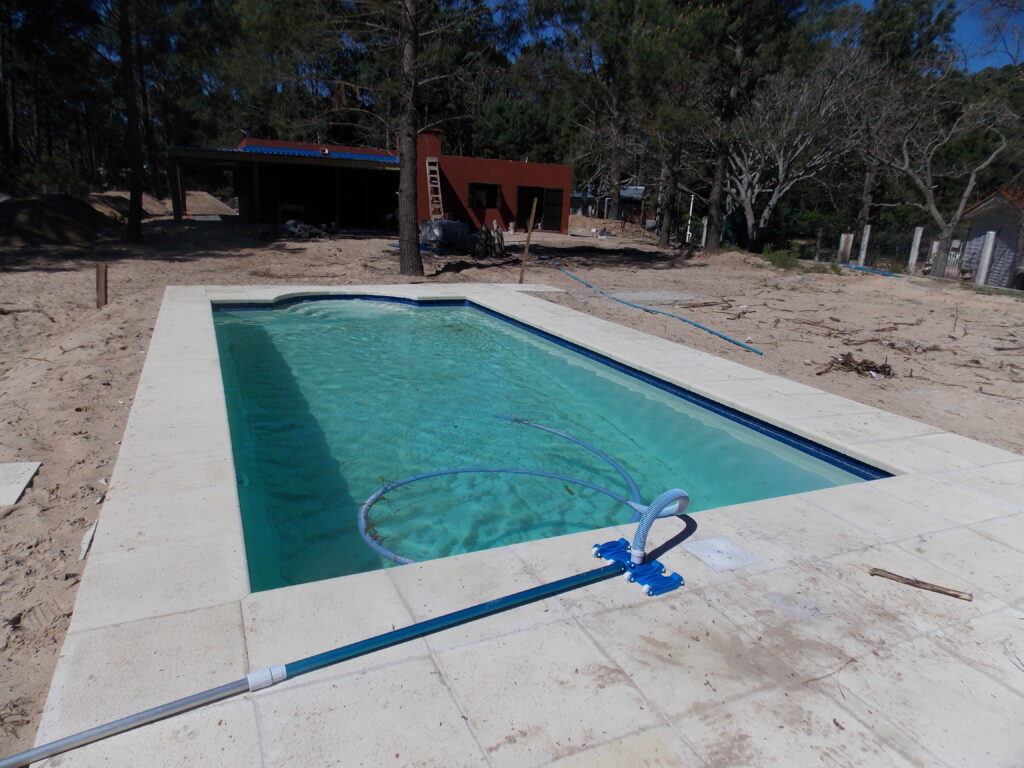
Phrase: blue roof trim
pixel 389 159
pixel 317 153
pixel 848 463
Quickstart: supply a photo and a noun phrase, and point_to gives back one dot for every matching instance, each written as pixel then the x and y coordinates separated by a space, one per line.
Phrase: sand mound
pixel 114 204
pixel 203 203
pixel 50 219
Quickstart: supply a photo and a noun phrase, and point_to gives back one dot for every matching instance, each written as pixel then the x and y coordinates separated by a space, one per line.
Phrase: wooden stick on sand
pixel 921 584
pixel 529 234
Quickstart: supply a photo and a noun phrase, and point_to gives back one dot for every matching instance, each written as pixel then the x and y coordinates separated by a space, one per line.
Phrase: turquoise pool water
pixel 330 400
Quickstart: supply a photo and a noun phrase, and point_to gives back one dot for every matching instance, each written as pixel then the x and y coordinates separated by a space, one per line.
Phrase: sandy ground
pixel 68 371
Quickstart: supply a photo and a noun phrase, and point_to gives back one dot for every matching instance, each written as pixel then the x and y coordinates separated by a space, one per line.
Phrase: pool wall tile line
pixel 831 659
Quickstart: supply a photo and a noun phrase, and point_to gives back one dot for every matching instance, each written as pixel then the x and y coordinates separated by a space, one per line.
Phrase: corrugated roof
pixel 1013 195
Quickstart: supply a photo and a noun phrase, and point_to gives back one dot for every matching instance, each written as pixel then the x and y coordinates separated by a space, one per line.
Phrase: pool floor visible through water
pixel 330 400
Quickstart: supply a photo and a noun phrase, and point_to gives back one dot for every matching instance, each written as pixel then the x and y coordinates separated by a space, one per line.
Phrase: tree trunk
pixel 614 189
pixel 668 206
pixel 715 212
pixel 6 153
pixel 753 231
pixel 148 134
pixel 410 262
pixel 126 33
pixel 10 92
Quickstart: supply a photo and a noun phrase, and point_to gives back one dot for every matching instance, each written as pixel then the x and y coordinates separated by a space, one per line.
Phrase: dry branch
pixel 847 362
pixel 15 311
pixel 921 584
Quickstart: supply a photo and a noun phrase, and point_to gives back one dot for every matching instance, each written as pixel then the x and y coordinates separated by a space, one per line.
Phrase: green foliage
pixel 905 33
pixel 784 259
pixel 823 268
pixel 649 92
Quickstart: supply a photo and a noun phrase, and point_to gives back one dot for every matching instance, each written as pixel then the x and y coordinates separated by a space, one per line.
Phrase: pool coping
pixel 168 559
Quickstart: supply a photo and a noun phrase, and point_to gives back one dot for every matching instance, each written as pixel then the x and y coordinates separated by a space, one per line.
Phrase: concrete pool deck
pixel 798 658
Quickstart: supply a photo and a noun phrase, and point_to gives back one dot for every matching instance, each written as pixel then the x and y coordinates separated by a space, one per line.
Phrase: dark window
pixel 483 195
pixel 552 218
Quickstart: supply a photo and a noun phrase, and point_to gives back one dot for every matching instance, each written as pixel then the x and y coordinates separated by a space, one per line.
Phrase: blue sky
pixel 970 35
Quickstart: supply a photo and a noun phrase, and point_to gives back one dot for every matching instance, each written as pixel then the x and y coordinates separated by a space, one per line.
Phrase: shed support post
pixel 337 197
pixel 914 248
pixel 986 258
pixel 256 207
pixel 177 196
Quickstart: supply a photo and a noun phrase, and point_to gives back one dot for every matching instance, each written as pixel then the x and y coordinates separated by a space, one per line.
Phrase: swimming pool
pixel 329 400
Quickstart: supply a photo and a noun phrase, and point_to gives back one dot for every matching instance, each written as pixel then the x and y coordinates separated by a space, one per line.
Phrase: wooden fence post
pixel 101 285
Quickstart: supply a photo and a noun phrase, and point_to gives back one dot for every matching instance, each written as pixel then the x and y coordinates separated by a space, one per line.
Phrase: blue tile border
pixel 802 444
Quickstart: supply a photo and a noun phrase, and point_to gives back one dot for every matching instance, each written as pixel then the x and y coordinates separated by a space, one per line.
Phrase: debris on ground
pixel 451 235
pixel 959 594
pixel 489 244
pixel 461 265
pixel 865 367
pixel 300 230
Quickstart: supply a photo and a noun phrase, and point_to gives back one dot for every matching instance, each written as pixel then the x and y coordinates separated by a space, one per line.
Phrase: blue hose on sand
pixel 869 269
pixel 660 312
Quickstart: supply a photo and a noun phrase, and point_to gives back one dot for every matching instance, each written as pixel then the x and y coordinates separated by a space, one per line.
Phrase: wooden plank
pixel 529 234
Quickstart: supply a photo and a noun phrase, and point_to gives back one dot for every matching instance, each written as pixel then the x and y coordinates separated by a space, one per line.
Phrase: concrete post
pixel 864 245
pixel 689 220
pixel 986 258
pixel 704 232
pixel 845 248
pixel 914 247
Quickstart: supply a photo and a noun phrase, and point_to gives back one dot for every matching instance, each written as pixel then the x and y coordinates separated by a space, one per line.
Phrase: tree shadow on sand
pixel 163 240
pixel 589 256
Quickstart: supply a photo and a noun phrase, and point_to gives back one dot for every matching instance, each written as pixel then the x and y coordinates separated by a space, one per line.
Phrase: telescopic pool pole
pixel 264 678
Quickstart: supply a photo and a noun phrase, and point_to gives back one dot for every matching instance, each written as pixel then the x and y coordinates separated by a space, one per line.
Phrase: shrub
pixel 782 259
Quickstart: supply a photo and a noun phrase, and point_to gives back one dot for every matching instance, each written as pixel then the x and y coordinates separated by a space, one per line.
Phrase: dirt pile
pixel 50 220
pixel 590 226
pixel 205 204
pixel 114 204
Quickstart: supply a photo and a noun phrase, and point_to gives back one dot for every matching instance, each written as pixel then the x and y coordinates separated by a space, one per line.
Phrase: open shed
pixel 358 186
pixel 280 180
pixel 1001 212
